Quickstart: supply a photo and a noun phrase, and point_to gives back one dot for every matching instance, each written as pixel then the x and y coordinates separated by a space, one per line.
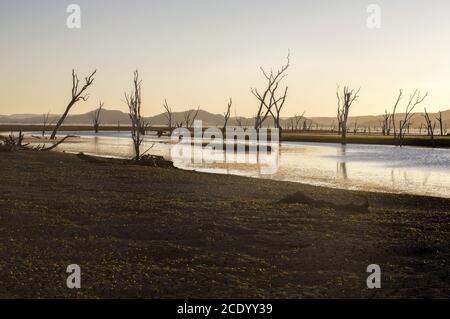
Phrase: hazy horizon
pixel 108 108
pixel 200 53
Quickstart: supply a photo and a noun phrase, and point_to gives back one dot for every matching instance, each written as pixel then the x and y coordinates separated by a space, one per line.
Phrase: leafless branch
pixel 227 115
pixel 168 114
pixel 77 95
pixel 269 103
pixel 96 117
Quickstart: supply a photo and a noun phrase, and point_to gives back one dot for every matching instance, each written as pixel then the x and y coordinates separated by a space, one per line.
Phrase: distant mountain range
pixel 113 117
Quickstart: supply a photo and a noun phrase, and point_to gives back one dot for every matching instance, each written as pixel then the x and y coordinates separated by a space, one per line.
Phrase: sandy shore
pixel 147 232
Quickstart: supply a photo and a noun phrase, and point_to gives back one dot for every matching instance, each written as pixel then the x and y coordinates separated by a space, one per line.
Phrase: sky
pixel 202 52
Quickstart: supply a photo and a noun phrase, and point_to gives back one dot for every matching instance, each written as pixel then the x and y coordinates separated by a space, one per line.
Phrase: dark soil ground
pixel 147 232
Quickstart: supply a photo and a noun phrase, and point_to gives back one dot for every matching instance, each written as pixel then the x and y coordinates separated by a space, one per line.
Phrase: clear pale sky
pixel 201 52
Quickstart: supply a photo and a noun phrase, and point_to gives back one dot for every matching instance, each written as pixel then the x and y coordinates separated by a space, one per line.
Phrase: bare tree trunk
pixel 227 116
pixel 56 144
pixel 96 117
pixel 168 115
pixel 439 118
pixel 344 103
pixel 298 119
pixel 430 127
pixel 339 113
pixel 386 123
pixel 138 124
pixel 414 100
pixel 190 116
pixel 238 119
pixel 268 99
pixel 77 95
pixel 45 119
pixel 393 114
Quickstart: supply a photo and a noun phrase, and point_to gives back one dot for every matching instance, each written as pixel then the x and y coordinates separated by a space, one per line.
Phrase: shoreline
pixel 138 231
pixel 317 184
pixel 287 136
pixel 330 183
pixel 417 141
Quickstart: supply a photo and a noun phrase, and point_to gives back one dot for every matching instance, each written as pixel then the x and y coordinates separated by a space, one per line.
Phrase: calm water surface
pixel 412 170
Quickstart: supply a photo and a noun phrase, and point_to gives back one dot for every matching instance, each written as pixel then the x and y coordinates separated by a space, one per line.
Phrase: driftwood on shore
pixel 146 160
pixel 43 148
pixel 155 161
pixel 12 143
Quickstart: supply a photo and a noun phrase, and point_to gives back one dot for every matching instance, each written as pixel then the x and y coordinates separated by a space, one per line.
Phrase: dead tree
pixel 386 123
pixel 333 125
pixel 77 95
pixel 96 117
pixel 269 103
pixel 195 116
pixel 227 115
pixel 179 124
pixel 168 115
pixel 44 148
pixel 239 120
pixel 11 143
pixel 45 122
pixel 339 120
pixel 430 127
pixel 393 113
pixel 304 126
pixel 278 104
pixel 439 119
pixel 298 120
pixel 345 101
pixel 414 100
pixel 187 118
pixel 138 124
pixel 190 117
pixel 340 114
pixel 355 129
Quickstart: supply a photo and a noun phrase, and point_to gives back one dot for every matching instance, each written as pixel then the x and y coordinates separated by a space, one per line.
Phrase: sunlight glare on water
pixel 413 170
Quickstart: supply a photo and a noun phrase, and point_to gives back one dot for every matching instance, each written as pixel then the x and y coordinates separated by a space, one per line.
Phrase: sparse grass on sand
pixel 147 232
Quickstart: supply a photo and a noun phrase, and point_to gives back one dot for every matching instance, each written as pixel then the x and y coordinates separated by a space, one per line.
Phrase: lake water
pixel 413 170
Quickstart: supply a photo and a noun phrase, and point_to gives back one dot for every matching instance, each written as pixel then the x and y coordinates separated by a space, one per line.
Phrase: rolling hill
pixel 112 117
